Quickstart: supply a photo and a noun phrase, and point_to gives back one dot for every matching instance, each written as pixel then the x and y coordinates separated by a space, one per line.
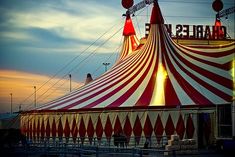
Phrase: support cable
pixel 79 64
pixel 70 62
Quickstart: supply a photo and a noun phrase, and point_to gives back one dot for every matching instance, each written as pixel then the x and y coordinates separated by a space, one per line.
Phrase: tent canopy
pixel 160 73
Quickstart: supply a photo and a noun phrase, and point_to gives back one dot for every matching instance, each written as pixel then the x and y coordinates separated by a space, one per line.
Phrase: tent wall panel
pixel 28 120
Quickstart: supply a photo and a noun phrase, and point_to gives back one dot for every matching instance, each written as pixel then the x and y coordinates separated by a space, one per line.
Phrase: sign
pixel 139 6
pixel 183 31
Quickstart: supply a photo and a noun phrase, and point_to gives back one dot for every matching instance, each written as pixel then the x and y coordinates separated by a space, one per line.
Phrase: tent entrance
pixel 204 129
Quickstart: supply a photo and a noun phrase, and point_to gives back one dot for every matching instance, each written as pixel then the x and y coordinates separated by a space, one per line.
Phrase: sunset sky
pixel 45 41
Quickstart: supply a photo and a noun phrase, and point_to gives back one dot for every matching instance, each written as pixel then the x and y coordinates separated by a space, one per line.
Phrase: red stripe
pixel 101 79
pixel 215 54
pixel 122 66
pixel 205 84
pixel 146 97
pixel 130 91
pixel 197 97
pixel 99 92
pixel 119 88
pixel 134 44
pixel 124 51
pixel 212 46
pixel 171 98
pixel 225 66
pixel 94 88
pixel 214 90
pixel 212 76
pixel 117 76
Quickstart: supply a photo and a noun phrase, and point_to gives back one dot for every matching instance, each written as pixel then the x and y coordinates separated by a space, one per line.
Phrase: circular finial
pixel 217 5
pixel 127 3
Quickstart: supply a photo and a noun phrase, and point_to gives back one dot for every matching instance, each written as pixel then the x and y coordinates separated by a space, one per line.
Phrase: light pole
pixel 35 96
pixel 70 82
pixel 106 65
pixel 11 102
pixel 19 107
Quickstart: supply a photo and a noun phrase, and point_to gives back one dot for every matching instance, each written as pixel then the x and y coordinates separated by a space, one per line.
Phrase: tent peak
pixel 128 27
pixel 156 16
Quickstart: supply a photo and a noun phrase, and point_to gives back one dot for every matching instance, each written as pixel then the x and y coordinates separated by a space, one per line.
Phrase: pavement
pixel 120 153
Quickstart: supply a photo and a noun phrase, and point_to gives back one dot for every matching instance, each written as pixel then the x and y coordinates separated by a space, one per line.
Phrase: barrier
pixel 83 151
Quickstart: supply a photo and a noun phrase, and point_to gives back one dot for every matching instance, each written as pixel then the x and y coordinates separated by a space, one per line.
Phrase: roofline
pixel 119 109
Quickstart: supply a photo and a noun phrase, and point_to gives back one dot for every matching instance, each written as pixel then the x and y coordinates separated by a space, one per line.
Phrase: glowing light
pixel 159 96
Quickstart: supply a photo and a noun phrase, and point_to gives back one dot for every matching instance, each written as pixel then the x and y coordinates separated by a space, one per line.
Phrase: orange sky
pixel 21 85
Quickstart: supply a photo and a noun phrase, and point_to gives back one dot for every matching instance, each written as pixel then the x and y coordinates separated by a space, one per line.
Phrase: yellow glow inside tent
pixel 159 96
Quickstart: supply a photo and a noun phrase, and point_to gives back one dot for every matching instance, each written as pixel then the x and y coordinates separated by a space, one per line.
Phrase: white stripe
pixel 212 50
pixel 219 60
pixel 207 67
pixel 154 100
pixel 211 82
pixel 105 84
pixel 211 96
pixel 181 94
pixel 120 92
pixel 123 90
pixel 69 97
pixel 139 91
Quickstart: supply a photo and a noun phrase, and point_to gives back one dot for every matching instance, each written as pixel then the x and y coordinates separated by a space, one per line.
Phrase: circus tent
pixel 154 89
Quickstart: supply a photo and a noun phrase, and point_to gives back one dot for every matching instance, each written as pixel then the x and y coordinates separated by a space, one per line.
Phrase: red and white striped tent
pixel 153 90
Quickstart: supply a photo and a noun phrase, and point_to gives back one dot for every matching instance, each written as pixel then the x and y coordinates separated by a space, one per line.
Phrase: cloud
pixel 21 85
pixel 15 35
pixel 59 27
pixel 75 22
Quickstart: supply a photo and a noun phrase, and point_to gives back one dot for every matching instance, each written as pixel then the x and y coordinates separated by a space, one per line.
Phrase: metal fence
pixel 153 141
pixel 85 151
pixel 90 147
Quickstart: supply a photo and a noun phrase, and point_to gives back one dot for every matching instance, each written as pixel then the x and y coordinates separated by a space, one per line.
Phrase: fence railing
pixel 153 141
pixel 91 151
